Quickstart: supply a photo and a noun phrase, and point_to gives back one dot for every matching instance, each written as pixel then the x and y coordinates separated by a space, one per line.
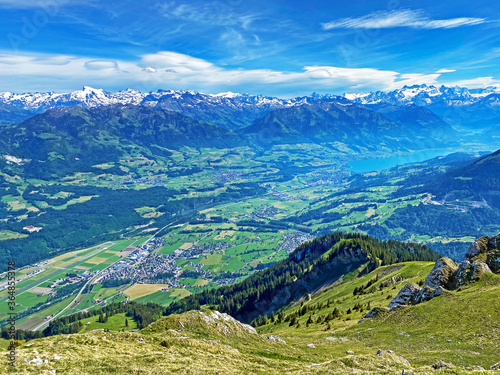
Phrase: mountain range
pixel 460 107
pixel 72 139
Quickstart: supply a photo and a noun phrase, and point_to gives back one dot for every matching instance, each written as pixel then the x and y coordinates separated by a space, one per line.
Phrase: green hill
pixel 73 139
pixel 355 127
pixel 458 328
pixel 312 266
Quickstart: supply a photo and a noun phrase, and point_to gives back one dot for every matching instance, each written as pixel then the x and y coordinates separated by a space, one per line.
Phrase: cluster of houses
pixel 226 176
pixel 146 181
pixel 31 228
pixel 144 266
pixel 293 240
pixel 268 211
pixel 73 279
pixel 139 264
pixel 324 177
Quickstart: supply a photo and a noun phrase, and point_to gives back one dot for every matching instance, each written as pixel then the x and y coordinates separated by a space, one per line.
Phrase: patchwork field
pixel 141 290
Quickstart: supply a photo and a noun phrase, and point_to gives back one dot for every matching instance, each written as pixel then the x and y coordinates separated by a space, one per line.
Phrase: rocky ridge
pixel 483 256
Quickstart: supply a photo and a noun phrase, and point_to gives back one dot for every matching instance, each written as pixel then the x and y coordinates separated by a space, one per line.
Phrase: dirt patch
pixel 125 252
pixel 82 267
pixel 30 323
pixel 40 290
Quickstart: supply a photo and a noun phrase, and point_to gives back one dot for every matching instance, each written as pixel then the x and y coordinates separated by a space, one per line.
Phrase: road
pixel 39 281
pixel 43 324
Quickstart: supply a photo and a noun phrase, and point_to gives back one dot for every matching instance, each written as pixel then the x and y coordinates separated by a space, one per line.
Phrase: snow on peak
pixel 227 94
pixel 88 97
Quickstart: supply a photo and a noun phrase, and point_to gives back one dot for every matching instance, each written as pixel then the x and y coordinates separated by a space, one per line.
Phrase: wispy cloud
pixel 415 19
pixel 211 13
pixel 445 71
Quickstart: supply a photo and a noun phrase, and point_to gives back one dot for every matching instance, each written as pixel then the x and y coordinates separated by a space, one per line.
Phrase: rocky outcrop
pixel 206 322
pixel 468 272
pixel 405 296
pixel 483 256
pixel 376 312
pixel 442 274
pixel 412 294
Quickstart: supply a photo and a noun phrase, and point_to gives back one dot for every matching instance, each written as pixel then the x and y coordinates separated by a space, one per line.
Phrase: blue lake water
pixel 376 165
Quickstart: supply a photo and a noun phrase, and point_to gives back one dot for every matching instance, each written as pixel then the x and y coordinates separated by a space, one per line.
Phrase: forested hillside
pixel 322 260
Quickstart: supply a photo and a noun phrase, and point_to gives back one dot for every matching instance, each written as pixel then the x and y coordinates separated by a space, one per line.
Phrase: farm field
pixel 224 239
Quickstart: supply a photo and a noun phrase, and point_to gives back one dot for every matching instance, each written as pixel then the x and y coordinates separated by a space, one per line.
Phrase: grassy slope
pixel 468 318
pixel 458 327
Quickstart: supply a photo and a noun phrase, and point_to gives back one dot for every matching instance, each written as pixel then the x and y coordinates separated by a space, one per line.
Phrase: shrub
pixel 165 344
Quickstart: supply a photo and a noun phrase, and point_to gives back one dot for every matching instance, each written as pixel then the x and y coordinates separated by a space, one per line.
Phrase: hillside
pixel 419 120
pixel 353 126
pixel 478 181
pixel 312 266
pixel 72 139
pixel 465 199
pixel 416 339
pixel 10 114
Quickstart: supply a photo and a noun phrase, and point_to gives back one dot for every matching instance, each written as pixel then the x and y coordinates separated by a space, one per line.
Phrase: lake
pixel 376 165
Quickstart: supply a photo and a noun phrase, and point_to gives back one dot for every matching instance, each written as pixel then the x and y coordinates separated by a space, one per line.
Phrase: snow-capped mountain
pixel 423 95
pixel 234 111
pixel 229 109
pixel 88 97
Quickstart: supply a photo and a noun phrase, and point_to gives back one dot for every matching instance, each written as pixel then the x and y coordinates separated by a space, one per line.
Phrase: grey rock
pixel 440 364
pixel 36 361
pixel 442 274
pixel 405 295
pixel 380 352
pixel 405 361
pixel 473 251
pixel 311 346
pixel 427 293
pixel 350 352
pixel 478 269
pixel 276 339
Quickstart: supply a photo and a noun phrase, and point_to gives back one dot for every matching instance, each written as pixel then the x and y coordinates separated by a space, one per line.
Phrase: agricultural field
pixel 239 213
pixel 8 235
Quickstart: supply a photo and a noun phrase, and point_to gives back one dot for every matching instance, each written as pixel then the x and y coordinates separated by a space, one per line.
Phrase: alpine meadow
pixel 225 187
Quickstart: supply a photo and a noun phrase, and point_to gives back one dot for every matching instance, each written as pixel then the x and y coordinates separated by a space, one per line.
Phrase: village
pixel 143 265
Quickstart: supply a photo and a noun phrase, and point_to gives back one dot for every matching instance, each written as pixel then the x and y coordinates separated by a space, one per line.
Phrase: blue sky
pixel 279 48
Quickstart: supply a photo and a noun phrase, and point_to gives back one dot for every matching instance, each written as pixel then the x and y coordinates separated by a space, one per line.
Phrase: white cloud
pixel 101 64
pixel 445 71
pixel 171 70
pixel 399 18
pixel 476 83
